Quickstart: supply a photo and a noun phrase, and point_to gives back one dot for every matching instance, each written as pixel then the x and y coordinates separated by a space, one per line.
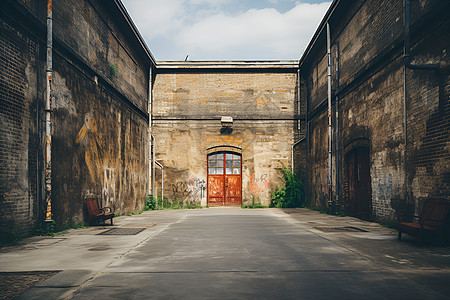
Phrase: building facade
pixel 99 118
pixel 375 75
pixel 389 107
pixel 224 130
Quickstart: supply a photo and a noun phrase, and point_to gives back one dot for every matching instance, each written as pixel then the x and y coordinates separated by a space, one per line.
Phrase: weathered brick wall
pixel 100 96
pixel 100 121
pixel 18 131
pixel 210 95
pixel 99 146
pixel 367 44
pixel 90 30
pixel 428 111
pixel 187 110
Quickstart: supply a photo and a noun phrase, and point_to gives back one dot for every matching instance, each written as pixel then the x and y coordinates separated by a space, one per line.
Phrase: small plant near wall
pixel 155 204
pixel 292 194
pixel 255 203
pixel 150 203
pixel 112 69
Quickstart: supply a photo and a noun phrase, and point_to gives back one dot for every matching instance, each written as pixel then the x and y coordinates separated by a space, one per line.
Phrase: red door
pixel 224 179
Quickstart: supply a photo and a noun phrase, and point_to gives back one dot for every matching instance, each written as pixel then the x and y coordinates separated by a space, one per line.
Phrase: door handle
pixel 226 182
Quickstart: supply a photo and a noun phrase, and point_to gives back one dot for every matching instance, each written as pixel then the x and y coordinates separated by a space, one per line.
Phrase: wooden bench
pixel 96 213
pixel 432 219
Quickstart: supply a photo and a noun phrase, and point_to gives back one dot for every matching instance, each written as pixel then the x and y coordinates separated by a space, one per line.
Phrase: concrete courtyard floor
pixel 230 253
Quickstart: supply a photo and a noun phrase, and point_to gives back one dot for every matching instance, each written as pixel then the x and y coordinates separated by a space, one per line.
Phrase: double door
pixel 224 179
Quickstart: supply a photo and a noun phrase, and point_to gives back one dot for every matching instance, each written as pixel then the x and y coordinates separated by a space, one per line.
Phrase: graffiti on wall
pixel 88 136
pixel 94 158
pixel 325 188
pixel 108 191
pixel 259 186
pixel 193 189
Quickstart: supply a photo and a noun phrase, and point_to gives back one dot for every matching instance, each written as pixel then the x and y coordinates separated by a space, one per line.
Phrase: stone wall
pixel 187 110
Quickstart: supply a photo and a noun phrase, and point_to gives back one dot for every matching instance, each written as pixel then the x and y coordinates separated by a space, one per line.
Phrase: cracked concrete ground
pixel 233 253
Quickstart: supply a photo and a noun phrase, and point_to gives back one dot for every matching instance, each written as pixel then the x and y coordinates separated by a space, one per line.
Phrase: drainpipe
pixel 298 100
pixel 307 142
pixel 153 165
pixel 337 128
pixel 150 140
pixel 298 125
pixel 330 171
pixel 162 183
pixel 48 117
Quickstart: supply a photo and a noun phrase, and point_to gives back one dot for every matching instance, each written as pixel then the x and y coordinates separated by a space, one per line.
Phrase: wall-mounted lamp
pixel 226 121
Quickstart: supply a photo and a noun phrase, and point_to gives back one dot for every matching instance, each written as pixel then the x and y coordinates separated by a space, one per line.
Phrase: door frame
pixel 224 151
pixel 357 207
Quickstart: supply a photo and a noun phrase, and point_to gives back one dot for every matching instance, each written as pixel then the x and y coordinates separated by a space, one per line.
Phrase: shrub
pixel 150 203
pixel 291 194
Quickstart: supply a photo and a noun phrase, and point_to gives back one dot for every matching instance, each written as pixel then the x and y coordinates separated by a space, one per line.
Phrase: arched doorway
pixel 224 179
pixel 358 180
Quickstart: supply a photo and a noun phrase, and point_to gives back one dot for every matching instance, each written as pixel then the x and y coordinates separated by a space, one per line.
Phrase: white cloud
pixel 207 30
pixel 156 18
pixel 265 32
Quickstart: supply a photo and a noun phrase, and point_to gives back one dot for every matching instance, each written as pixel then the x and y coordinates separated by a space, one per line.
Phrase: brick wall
pixel 187 110
pixel 367 44
pixel 89 28
pixel 18 133
pixel 99 117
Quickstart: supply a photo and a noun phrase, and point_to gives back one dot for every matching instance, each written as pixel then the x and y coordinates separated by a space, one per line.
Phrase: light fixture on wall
pixel 226 121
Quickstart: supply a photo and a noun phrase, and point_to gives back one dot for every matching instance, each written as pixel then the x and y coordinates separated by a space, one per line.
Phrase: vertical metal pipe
pixel 150 143
pixel 153 167
pixel 298 120
pixel 292 157
pixel 307 142
pixel 407 61
pixel 330 171
pixel 298 101
pixel 337 154
pixel 405 130
pixel 48 117
pixel 162 186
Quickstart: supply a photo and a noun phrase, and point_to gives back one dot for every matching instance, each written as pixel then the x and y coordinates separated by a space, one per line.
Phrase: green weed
pixel 292 194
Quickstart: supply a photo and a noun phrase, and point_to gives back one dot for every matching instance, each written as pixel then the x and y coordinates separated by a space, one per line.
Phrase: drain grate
pixel 122 231
pixel 341 229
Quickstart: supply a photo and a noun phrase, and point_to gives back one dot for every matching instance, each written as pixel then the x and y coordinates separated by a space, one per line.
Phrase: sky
pixel 226 29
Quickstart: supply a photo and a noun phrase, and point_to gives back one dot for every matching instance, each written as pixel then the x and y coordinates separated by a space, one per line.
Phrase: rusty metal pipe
pixel 48 116
pixel 337 151
pixel 330 138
